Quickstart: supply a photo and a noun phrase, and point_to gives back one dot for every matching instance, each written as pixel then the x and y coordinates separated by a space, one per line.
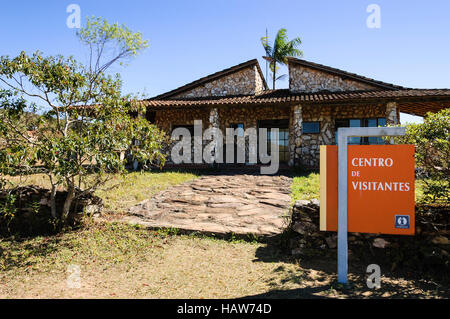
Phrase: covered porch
pixel 305 120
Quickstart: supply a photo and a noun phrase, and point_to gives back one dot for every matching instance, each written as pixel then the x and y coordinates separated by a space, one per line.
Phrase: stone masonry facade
pixel 222 118
pixel 303 79
pixel 245 82
pixel 304 149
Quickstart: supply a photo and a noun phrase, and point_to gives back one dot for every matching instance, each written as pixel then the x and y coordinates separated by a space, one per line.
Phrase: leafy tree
pixel 278 53
pixel 85 122
pixel 432 141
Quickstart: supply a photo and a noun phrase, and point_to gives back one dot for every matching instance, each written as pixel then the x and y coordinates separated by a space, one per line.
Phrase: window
pixel 310 127
pixel 238 128
pixel 371 122
pixel 376 122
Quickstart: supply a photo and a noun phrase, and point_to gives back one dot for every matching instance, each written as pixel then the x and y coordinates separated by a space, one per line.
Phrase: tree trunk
pixel 53 201
pixel 68 201
pixel 274 74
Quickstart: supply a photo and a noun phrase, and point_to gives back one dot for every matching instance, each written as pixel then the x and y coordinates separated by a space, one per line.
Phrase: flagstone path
pixel 240 204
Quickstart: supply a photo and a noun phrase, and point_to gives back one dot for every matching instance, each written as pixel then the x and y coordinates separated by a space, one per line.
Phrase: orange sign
pixel 380 189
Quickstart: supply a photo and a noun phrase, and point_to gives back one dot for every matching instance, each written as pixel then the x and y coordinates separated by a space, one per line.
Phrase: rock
pixel 226 205
pixel 296 251
pixel 331 241
pixel 93 209
pixel 44 202
pixel 301 203
pixel 380 243
pixel 298 228
pixel 440 240
pixel 315 202
pixel 274 202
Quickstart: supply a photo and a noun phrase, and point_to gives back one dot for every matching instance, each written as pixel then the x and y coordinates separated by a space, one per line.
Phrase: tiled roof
pixel 284 96
pixel 343 74
pixel 407 97
pixel 213 77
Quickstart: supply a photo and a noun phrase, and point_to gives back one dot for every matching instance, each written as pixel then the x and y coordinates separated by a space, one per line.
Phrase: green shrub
pixel 432 154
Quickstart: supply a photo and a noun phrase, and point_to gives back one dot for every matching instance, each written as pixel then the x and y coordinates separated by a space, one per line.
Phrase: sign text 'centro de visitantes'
pixel 380 186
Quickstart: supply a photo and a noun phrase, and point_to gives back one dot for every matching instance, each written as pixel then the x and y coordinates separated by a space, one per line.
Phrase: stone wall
pixel 303 79
pixel 426 252
pixel 245 82
pixel 392 114
pixel 259 81
pixel 307 146
pixel 295 135
pixel 249 115
pixel 222 118
pixel 304 149
pixel 167 119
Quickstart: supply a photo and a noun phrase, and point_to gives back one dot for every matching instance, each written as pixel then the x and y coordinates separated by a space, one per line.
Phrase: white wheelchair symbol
pixel 402 222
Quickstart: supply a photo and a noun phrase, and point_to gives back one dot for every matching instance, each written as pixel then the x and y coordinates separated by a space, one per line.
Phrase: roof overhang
pixel 414 101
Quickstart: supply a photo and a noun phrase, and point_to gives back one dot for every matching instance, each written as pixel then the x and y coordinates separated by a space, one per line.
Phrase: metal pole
pixel 342 207
pixel 343 135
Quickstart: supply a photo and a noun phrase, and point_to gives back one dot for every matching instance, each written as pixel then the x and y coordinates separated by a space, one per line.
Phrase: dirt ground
pixel 121 261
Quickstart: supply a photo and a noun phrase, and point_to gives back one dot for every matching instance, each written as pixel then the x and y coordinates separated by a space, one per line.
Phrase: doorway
pixel 283 138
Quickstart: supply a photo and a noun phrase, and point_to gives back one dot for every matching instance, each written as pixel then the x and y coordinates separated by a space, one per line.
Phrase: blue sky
pixel 191 39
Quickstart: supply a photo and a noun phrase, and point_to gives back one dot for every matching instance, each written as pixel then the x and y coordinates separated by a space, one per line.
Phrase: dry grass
pixel 135 187
pixel 126 190
pixel 121 261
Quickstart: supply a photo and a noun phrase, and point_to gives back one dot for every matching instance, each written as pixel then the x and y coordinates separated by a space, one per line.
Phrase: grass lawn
pixel 306 186
pixel 121 261
pixel 117 260
pixel 126 190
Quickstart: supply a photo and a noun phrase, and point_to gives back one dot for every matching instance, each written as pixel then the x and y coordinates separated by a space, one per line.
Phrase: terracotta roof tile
pixel 284 97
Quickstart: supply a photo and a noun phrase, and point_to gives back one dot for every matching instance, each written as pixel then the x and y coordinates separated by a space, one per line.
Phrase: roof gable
pixel 242 79
pixel 305 76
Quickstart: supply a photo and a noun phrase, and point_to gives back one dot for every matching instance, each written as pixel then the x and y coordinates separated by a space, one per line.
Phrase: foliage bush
pixel 71 119
pixel 432 154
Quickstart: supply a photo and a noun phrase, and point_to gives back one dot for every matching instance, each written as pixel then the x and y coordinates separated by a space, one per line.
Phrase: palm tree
pixel 282 48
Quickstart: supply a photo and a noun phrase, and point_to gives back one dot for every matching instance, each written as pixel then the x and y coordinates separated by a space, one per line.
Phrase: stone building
pixel 320 99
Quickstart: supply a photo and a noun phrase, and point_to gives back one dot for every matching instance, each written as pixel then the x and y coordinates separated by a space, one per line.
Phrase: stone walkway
pixel 240 204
